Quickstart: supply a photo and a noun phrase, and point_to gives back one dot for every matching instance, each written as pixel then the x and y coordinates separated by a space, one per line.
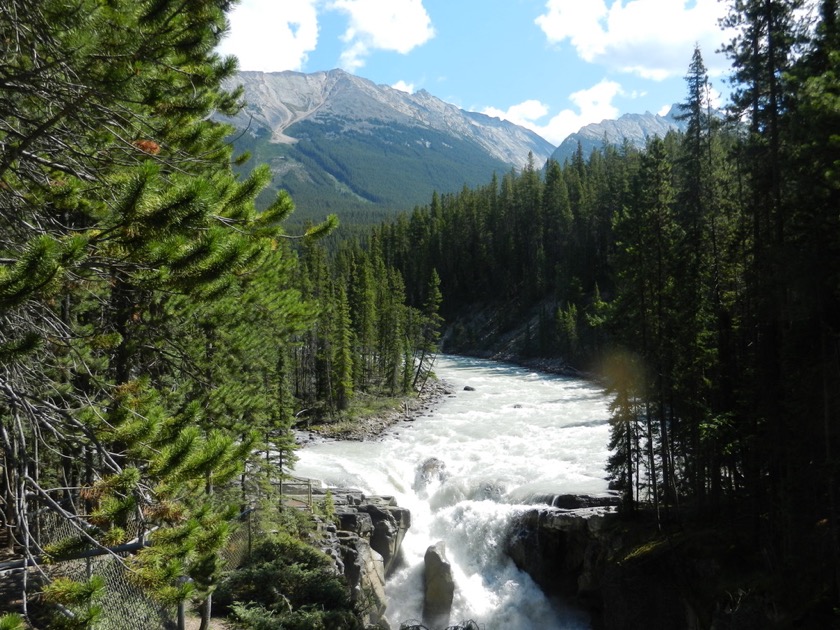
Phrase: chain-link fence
pixel 124 605
pixel 296 493
pixel 241 541
pixel 47 526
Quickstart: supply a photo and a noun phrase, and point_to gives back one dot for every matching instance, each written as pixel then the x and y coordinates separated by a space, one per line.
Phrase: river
pixel 514 437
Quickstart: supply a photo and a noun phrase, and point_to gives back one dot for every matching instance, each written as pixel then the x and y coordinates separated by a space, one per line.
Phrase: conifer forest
pixel 161 335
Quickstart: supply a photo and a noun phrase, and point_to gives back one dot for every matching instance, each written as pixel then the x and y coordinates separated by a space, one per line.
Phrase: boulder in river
pixel 431 469
pixel 439 587
pixel 563 550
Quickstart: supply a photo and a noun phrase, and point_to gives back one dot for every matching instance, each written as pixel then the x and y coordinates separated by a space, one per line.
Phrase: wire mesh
pixel 124 605
pixel 47 526
pixel 239 544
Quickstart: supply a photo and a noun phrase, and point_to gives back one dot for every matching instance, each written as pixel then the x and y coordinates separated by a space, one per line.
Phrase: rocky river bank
pixel 372 426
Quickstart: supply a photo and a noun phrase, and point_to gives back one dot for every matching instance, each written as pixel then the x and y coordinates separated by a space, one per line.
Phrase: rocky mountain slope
pixel 339 142
pixel 635 128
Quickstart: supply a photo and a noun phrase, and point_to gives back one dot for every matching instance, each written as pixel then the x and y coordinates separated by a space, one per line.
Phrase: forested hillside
pixel 340 143
pixel 700 278
pixel 157 333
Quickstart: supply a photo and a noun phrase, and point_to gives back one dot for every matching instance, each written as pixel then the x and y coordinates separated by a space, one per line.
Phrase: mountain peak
pixel 634 128
pixel 279 100
pixel 361 138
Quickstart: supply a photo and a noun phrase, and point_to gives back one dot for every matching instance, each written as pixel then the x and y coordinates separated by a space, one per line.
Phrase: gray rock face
pixel 369 536
pixel 365 573
pixel 578 501
pixel 578 554
pixel 634 128
pixel 390 523
pixel 562 550
pixel 278 100
pixel 439 587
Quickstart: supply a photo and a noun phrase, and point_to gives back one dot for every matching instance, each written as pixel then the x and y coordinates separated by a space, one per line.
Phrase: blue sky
pixel 550 65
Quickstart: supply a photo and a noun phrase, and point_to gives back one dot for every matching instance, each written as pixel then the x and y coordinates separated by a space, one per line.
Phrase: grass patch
pixel 367 405
pixel 364 409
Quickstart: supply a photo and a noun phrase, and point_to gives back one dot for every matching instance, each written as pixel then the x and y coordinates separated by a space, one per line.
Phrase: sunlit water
pixel 520 435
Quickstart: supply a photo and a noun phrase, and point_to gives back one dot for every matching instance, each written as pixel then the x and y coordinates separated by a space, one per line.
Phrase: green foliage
pixel 288 583
pixel 157 332
pixel 327 508
pixel 11 621
pixel 144 301
pixel 256 617
pixel 79 598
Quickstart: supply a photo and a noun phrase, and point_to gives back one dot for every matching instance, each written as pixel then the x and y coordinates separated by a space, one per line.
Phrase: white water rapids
pixel 518 435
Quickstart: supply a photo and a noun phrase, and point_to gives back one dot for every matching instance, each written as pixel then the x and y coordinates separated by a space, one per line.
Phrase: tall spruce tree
pixel 813 272
pixel 762 53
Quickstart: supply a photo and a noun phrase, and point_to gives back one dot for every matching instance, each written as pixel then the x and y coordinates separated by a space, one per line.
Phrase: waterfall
pixel 512 439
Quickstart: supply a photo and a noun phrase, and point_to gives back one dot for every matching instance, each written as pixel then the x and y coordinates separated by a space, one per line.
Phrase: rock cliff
pixel 630 577
pixel 365 545
pixel 565 550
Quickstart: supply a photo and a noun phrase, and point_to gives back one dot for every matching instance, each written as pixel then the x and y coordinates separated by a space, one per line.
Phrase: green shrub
pixel 287 584
pixel 11 621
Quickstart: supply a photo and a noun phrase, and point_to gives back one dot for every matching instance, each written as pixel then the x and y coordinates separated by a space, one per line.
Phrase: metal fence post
pixel 249 533
pixel 280 507
pixel 182 615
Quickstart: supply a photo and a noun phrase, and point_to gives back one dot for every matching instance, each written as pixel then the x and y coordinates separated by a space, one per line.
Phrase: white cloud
pixel 653 39
pixel 524 114
pixel 402 86
pixel 715 98
pixel 270 36
pixel 392 25
pixel 593 105
pixel 577 21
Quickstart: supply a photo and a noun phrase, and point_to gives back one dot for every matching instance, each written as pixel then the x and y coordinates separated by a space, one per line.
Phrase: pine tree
pixel 696 271
pixel 124 230
pixel 344 350
pixel 625 379
pixel 645 231
pixel 812 264
pixel 767 37
pixel 558 224
pixel 427 343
